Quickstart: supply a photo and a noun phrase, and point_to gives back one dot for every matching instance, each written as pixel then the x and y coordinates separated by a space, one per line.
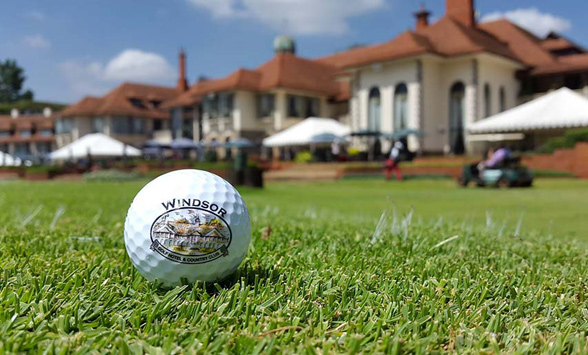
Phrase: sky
pixel 73 48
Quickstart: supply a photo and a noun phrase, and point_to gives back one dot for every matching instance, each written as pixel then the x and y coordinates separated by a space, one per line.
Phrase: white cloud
pixel 37 42
pixel 95 78
pixel 36 15
pixel 540 23
pixel 136 65
pixel 302 17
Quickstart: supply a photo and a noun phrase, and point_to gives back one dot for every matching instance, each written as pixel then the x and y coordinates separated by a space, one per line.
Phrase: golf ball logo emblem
pixel 191 235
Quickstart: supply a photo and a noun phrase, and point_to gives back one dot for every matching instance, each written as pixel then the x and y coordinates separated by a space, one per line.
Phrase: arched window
pixel 456 118
pixel 502 99
pixel 487 101
pixel 400 107
pixel 374 110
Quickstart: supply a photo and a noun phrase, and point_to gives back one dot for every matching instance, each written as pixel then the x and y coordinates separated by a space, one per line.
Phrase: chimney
pixel 422 17
pixel 182 82
pixel 462 11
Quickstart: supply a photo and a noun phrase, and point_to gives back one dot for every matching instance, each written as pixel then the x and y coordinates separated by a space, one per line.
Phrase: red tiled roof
pixel 555 44
pixel 405 45
pixel 285 71
pixel 446 37
pixel 119 102
pixel 526 46
pixel 565 64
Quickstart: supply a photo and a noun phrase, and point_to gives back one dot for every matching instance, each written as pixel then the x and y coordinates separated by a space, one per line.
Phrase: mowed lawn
pixel 347 268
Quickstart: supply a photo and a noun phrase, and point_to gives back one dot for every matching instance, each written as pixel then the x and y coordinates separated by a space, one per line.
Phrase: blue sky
pixel 72 48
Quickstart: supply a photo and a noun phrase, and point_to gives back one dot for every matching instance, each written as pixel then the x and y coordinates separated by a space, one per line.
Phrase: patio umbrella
pixel 183 143
pixel 407 132
pixel 239 143
pixel 366 133
pixel 155 144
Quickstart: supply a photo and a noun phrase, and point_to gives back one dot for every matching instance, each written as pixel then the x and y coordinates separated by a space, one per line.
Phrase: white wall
pixel 386 77
pixel 497 73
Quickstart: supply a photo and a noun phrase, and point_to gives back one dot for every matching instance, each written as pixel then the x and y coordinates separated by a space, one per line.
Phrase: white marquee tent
pixel 8 160
pixel 97 145
pixel 561 109
pixel 306 132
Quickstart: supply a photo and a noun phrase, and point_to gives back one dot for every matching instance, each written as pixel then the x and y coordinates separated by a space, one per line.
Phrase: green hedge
pixel 568 140
pixel 112 176
pixel 43 169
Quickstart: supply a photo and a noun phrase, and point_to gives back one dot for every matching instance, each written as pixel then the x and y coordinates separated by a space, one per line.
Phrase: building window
pixel 25 133
pixel 374 110
pixel 43 148
pixel 295 108
pixel 225 104
pixel 4 134
pixel 266 104
pixel 313 107
pixel 128 125
pixel 487 101
pixel 22 150
pixel 400 107
pixel 157 125
pixel 456 118
pixel 210 105
pixel 64 125
pixel 303 107
pixel 46 132
pixel 98 124
pixel 502 99
pixel 138 103
pixel 138 126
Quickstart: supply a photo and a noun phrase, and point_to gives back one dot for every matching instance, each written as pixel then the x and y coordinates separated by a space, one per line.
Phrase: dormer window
pixel 155 103
pixel 138 103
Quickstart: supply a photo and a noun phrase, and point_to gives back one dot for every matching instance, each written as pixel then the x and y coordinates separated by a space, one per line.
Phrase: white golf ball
pixel 185 226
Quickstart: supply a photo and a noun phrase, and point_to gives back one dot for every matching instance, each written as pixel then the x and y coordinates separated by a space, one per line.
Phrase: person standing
pixel 393 160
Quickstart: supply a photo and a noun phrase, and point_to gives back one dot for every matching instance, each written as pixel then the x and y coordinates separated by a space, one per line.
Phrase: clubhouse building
pixel 438 78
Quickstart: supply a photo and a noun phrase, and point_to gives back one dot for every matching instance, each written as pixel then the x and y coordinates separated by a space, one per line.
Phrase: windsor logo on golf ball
pixel 185 226
pixel 190 234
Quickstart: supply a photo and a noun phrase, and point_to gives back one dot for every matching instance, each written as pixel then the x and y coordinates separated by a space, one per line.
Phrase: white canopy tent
pixel 8 160
pixel 561 109
pixel 305 132
pixel 97 145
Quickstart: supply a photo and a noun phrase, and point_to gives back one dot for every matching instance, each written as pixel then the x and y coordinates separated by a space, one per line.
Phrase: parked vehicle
pixel 509 174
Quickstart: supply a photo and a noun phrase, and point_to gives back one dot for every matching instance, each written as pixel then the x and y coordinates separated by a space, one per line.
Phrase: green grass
pixel 323 282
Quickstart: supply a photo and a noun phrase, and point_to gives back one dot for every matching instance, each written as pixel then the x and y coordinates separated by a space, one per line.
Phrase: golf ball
pixel 185 226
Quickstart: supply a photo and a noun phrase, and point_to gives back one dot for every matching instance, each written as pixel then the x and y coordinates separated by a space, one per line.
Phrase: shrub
pixel 43 169
pixel 111 176
pixel 211 156
pixel 303 157
pixel 568 140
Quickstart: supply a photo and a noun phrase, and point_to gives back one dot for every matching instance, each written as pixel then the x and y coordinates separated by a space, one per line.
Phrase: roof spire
pixel 462 11
pixel 422 17
pixel 182 81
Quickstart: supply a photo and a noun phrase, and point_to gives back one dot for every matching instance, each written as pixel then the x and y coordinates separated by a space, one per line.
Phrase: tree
pixel 11 82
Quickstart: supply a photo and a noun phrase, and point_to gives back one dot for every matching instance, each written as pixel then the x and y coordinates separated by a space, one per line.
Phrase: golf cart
pixel 509 174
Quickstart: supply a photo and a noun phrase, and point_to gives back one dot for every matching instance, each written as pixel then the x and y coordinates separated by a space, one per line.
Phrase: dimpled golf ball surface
pixel 187 226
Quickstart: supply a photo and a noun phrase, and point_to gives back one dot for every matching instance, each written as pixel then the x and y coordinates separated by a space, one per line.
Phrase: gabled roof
pixel 565 64
pixel 556 43
pixel 525 45
pixel 128 99
pixel 446 37
pixel 283 71
pixel 406 44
